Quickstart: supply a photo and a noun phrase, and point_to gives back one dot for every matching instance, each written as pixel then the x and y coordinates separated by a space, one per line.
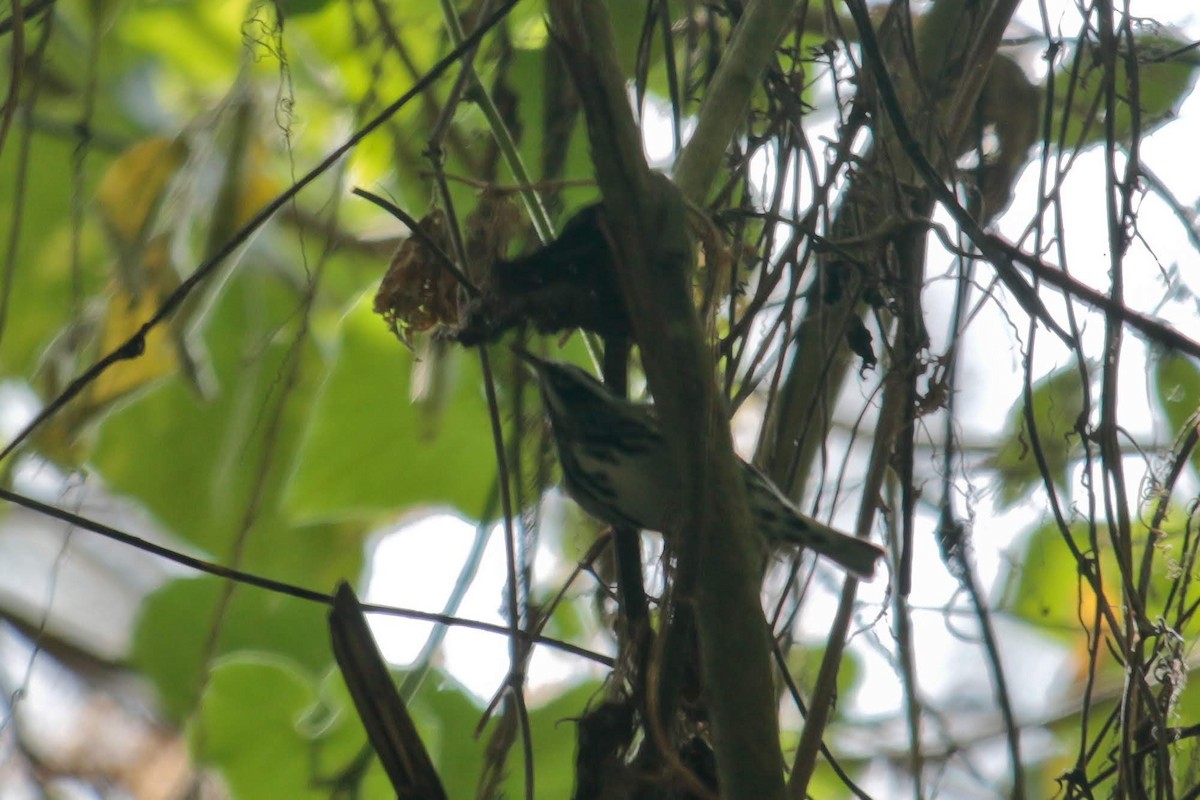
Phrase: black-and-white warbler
pixel 617 466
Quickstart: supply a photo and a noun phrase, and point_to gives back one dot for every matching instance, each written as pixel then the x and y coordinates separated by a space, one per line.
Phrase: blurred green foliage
pixel 1056 402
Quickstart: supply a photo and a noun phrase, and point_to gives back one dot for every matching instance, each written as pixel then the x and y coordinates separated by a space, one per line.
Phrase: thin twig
pixel 414 228
pixel 281 587
pixel 10 23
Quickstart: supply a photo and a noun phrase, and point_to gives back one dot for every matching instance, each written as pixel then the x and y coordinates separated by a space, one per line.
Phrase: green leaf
pixel 1107 744
pixel 275 732
pixel 199 465
pixel 1187 712
pixel 342 740
pixel 250 727
pixel 1166 75
pixel 171 642
pixel 293 8
pixel 447 717
pixel 1057 404
pixel 39 306
pixel 526 77
pixel 554 733
pixel 805 662
pixel 1177 390
pixel 1047 589
pixel 367 451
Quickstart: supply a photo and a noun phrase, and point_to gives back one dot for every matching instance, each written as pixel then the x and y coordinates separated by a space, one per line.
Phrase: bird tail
pixel 856 555
pixel 783 523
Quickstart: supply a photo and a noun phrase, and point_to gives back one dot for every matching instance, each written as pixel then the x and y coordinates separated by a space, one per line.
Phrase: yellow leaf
pixel 124 316
pixel 133 187
pixel 258 190
pixel 101 331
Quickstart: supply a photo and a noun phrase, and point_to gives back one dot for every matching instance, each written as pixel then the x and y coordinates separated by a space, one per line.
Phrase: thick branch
pixel 724 106
pixel 717 567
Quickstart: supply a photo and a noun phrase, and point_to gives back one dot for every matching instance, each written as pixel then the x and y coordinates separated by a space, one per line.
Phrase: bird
pixel 617 465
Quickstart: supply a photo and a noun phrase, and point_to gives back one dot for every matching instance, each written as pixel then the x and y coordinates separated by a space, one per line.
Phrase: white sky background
pixel 409 572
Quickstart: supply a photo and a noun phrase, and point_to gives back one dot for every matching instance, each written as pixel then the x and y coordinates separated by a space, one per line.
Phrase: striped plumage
pixel 593 429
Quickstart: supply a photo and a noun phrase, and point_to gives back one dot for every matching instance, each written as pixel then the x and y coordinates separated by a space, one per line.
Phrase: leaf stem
pixel 508 148
pixel 750 49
